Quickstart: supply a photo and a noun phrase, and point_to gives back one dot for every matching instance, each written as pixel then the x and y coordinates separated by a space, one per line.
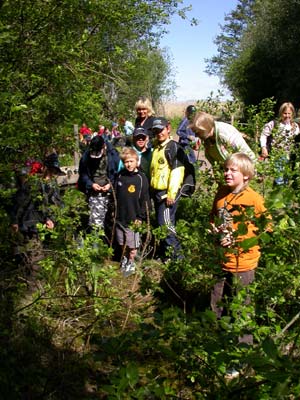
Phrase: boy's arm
pixel 144 199
pixel 84 178
pixel 222 233
pixel 175 156
pixel 266 132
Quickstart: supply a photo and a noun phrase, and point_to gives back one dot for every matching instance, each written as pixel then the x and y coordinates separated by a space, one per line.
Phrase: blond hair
pixel 128 152
pixel 202 123
pixel 242 162
pixel 144 102
pixel 284 107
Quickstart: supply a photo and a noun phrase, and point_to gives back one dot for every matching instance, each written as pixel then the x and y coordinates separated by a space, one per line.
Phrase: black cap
pixel 139 132
pixel 51 161
pixel 160 123
pixel 191 109
pixel 97 143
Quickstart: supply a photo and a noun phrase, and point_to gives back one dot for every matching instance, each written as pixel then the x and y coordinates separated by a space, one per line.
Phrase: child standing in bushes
pixel 32 205
pixel 281 135
pixel 236 209
pixel 132 193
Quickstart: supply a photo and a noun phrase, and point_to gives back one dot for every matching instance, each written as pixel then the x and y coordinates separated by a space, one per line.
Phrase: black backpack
pixel 189 181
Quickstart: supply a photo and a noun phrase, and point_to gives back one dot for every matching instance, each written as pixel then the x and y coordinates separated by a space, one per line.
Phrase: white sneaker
pixel 129 269
pixel 123 264
pixel 232 373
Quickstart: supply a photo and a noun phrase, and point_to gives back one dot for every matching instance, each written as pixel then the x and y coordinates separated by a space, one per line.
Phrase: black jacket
pixel 32 204
pixel 132 192
pixel 147 125
pixel 88 166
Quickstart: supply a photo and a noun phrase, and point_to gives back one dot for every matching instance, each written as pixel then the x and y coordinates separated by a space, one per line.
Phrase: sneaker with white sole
pixel 232 373
pixel 129 269
pixel 123 263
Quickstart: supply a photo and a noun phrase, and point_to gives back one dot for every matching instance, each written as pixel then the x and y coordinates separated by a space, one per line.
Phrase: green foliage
pixel 171 345
pixel 87 332
pixel 226 111
pixel 73 62
pixel 257 116
pixel 248 62
pixel 229 41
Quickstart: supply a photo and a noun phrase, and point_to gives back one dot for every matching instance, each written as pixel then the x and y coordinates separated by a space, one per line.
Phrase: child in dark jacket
pixel 132 193
pixel 34 198
pixel 32 205
pixel 97 172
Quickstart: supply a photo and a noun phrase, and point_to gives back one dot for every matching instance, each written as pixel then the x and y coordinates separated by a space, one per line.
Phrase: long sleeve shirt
pixel 283 134
pixel 185 133
pixel 228 140
pixel 132 193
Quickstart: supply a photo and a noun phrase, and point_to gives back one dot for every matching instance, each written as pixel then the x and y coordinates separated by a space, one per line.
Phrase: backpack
pixel 189 180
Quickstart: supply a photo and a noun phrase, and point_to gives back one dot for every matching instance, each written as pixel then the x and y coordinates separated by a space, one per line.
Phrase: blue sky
pixel 189 46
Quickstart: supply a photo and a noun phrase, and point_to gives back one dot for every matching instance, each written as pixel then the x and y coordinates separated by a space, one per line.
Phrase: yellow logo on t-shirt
pixel 131 189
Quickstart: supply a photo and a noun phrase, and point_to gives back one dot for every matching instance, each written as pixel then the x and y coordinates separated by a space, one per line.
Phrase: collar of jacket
pixel 163 144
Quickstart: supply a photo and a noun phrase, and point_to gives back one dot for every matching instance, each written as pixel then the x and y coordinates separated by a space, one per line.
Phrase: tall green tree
pixel 229 41
pixel 64 61
pixel 264 58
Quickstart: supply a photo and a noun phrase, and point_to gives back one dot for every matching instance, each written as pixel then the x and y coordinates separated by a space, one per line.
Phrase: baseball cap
pixel 191 109
pixel 160 123
pixel 51 161
pixel 139 132
pixel 97 143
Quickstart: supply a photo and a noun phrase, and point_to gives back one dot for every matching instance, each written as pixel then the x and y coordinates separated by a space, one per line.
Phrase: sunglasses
pixel 140 137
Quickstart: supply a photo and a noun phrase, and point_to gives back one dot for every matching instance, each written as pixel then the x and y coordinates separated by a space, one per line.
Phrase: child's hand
pixel 214 229
pixel 49 224
pixel 227 239
pixel 15 228
pixel 169 202
pixel 225 236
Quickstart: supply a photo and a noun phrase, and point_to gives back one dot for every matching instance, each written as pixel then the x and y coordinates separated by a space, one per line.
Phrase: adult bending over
pixel 219 138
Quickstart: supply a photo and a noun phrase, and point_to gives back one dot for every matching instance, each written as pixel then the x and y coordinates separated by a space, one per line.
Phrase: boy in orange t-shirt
pixel 235 210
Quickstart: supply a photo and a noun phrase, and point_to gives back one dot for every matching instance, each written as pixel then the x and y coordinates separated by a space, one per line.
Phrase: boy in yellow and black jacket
pixel 167 175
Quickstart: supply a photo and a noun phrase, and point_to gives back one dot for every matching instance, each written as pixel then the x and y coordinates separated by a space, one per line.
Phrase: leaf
pixel 265 237
pixel 19 108
pixel 242 228
pixel 249 243
pixel 270 348
pixel 132 374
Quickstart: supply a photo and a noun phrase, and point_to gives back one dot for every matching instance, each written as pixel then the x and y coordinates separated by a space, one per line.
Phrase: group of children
pixel 104 171
pixel 235 203
pixel 139 176
pixel 117 134
pixel 133 175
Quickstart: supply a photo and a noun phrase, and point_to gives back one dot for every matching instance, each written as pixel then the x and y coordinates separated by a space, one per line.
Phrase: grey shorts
pixel 126 236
